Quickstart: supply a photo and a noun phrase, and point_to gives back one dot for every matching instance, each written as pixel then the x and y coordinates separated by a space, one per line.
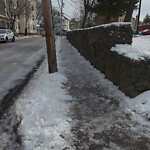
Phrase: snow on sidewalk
pixel 45 119
pixel 43 111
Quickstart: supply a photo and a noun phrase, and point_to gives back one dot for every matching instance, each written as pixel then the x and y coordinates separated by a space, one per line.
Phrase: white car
pixel 7 35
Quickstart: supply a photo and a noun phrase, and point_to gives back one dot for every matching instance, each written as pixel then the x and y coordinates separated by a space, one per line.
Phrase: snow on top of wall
pixel 139 50
pixel 117 24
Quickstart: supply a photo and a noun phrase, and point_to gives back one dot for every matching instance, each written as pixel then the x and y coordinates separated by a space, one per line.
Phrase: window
pixel 33 18
pixel 33 27
pixel 32 8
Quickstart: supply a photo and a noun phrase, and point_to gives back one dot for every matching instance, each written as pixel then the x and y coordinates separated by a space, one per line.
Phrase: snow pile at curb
pixel 27 37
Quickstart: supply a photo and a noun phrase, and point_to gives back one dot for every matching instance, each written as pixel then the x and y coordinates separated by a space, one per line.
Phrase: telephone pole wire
pixel 50 42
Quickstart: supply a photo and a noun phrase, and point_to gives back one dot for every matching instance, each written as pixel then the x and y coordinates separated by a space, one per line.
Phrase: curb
pixel 10 98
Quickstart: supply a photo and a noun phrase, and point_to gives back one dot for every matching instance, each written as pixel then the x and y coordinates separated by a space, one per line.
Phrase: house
pixel 28 22
pixel 3 17
pixel 65 23
pixel 102 20
pixel 22 22
pixel 57 23
pixel 74 24
pixel 3 21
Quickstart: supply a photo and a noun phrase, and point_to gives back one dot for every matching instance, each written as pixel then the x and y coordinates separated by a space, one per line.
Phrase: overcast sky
pixel 145 9
pixel 70 7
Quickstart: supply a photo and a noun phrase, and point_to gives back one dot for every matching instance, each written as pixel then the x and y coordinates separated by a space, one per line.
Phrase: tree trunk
pixel 84 19
pixel 108 18
pixel 129 12
pixel 26 31
pixel 12 24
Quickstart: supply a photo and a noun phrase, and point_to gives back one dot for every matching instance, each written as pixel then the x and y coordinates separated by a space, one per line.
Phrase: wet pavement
pixel 98 121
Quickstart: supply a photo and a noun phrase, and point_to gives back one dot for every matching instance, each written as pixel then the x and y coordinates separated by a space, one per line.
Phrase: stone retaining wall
pixel 132 77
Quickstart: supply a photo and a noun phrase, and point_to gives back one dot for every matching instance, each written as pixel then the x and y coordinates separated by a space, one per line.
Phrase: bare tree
pixel 130 8
pixel 83 6
pixel 86 3
pixel 15 8
pixel 39 14
pixel 28 8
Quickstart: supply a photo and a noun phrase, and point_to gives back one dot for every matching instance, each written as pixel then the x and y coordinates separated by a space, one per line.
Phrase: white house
pixel 31 23
pixel 3 17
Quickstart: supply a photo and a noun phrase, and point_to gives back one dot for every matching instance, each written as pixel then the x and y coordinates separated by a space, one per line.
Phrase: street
pixel 17 59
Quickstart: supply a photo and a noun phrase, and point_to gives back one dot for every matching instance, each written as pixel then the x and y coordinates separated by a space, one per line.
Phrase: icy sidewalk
pixel 76 108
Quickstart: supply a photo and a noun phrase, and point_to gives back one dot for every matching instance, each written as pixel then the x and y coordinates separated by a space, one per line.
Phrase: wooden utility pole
pixel 138 18
pixel 50 42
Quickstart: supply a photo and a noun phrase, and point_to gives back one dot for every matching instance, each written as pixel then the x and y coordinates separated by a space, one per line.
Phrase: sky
pixel 69 8
pixel 145 9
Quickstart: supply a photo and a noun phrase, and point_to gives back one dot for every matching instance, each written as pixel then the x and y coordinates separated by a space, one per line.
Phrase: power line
pixel 59 4
pixel 66 15
pixel 67 3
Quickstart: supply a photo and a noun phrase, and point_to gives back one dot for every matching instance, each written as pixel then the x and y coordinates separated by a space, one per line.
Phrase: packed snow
pixel 139 50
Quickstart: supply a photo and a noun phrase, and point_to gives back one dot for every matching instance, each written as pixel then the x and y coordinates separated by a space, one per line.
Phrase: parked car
pixel 136 33
pixel 146 32
pixel 7 35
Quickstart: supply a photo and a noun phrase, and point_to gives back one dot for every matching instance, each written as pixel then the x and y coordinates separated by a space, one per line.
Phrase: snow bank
pixel 138 109
pixel 117 24
pixel 139 50
pixel 26 37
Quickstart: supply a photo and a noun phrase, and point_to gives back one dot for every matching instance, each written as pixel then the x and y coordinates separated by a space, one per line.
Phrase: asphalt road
pixel 16 59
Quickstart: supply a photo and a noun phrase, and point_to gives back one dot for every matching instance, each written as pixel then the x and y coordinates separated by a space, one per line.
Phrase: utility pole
pixel 61 11
pixel 138 18
pixel 50 42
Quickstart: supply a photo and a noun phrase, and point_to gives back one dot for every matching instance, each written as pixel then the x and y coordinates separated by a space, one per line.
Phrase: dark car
pixel 146 32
